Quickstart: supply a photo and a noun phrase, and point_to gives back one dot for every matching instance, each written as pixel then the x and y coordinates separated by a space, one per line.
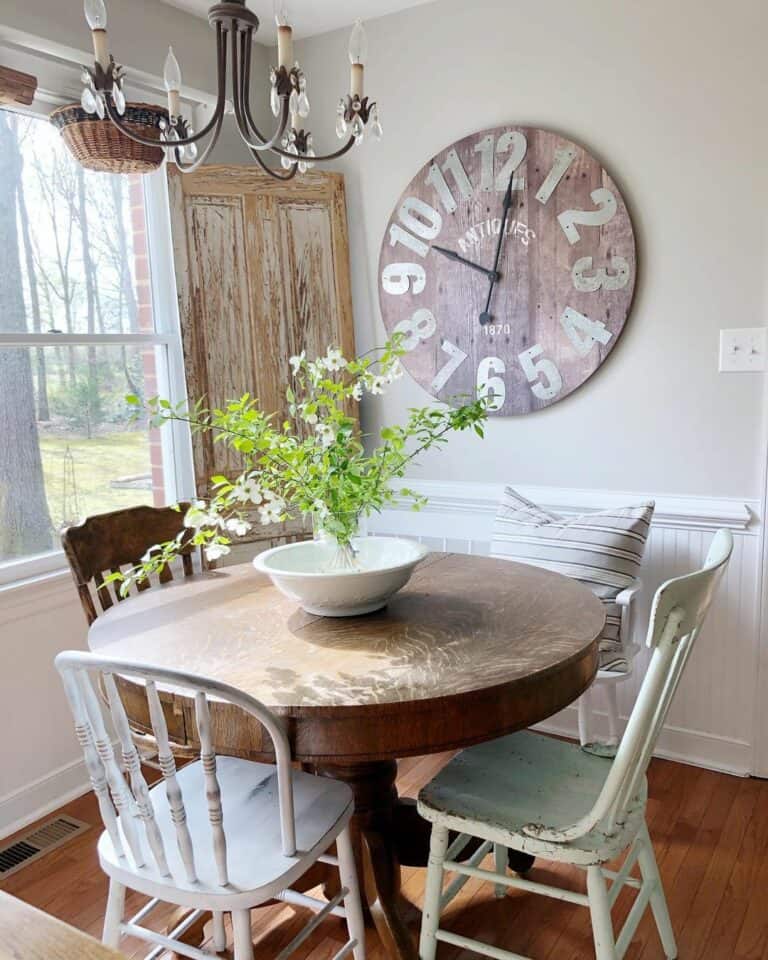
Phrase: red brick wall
pixel 145 322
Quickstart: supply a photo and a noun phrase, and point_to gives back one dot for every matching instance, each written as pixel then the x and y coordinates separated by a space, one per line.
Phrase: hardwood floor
pixel 711 837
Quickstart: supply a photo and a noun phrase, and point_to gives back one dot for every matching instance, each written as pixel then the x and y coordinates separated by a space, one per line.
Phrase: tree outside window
pixel 77 334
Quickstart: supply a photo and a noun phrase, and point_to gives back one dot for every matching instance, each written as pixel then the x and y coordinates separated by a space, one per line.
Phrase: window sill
pixel 18 572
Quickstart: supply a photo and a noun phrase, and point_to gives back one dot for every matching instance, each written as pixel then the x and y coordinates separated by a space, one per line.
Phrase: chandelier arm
pixel 289 175
pixel 117 120
pixel 318 159
pixel 245 98
pixel 240 117
pixel 189 167
pixel 215 120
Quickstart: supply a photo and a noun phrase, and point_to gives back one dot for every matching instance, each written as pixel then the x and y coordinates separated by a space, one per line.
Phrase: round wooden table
pixel 471 649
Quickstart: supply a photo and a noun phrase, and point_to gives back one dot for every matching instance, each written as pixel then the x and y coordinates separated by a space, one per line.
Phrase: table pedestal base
pixel 387 831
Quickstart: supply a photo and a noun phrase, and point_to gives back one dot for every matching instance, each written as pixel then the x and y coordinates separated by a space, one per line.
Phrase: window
pixel 79 329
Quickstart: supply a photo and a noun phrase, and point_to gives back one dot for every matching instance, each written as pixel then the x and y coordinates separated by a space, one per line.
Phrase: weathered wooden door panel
pixel 262 271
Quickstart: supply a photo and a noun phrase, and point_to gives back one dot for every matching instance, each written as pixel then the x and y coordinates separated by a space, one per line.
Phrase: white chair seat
pixel 496 789
pixel 256 864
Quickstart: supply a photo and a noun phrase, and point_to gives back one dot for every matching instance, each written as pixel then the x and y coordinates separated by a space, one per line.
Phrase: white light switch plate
pixel 743 349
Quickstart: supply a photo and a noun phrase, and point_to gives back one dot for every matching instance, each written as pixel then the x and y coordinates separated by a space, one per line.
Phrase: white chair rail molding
pixel 383 552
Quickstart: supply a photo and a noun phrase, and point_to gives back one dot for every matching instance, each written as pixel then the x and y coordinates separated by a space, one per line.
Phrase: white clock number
pixel 604 200
pixel 456 357
pixel 490 383
pixel 516 142
pixel 398 235
pixel 417 328
pixel 601 280
pixel 437 179
pixel 511 140
pixel 396 278
pixel 564 157
pixel 542 374
pixel 583 332
pixel 420 219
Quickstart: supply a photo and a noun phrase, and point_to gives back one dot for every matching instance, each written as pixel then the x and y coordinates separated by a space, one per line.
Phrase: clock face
pixel 509 265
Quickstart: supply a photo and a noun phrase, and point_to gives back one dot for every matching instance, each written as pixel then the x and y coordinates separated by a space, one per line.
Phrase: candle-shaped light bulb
pixel 172 72
pixel 95 14
pixel 358 54
pixel 284 35
pixel 172 79
pixel 281 13
pixel 358 44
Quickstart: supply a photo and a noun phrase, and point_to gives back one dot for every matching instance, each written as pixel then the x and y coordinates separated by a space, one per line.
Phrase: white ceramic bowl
pixel 302 572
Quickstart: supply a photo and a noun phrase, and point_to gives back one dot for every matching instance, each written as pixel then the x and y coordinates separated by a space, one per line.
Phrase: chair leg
pixel 241 928
pixel 219 933
pixel 650 873
pixel 352 905
pixel 501 858
pixel 585 716
pixel 114 914
pixel 613 713
pixel 600 910
pixel 430 918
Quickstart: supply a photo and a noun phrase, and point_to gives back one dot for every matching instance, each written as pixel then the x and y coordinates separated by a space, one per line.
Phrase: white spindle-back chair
pixel 220 834
pixel 548 798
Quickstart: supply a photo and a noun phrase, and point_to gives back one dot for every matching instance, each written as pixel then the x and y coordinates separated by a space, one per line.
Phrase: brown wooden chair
pixel 106 543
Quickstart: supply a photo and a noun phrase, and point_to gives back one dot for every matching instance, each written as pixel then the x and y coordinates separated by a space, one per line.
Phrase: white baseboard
pixel 39 798
pixel 694 747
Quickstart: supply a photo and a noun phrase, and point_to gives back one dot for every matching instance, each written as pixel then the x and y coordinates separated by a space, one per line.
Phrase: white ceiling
pixel 308 17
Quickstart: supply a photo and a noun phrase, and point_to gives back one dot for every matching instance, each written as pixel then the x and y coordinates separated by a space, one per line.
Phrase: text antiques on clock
pixel 509 265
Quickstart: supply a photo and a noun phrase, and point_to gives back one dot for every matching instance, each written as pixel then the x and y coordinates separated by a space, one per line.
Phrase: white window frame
pixel 175 438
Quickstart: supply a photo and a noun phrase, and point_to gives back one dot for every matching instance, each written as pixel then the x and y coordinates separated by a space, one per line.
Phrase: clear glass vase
pixel 340 535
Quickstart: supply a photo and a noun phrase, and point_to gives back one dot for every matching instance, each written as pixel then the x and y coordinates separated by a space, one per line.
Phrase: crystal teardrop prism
pixel 341 127
pixel 358 129
pixel 293 102
pixel 375 130
pixel 310 153
pixel 190 151
pixel 302 166
pixel 303 104
pixel 99 108
pixel 119 97
pixel 88 100
pixel 274 100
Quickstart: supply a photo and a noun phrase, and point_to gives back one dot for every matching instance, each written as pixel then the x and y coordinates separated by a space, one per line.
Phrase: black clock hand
pixel 452 255
pixel 485 316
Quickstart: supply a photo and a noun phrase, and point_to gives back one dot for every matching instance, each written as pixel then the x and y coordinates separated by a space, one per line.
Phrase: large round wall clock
pixel 508 265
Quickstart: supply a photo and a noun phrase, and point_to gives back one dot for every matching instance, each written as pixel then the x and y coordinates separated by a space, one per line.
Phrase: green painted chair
pixel 550 799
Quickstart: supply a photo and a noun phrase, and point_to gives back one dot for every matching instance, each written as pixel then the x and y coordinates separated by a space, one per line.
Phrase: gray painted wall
pixel 669 96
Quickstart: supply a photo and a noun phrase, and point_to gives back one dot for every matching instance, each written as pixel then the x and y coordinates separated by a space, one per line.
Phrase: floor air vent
pixel 51 834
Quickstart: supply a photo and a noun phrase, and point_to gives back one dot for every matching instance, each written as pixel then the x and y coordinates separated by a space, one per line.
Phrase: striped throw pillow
pixel 603 550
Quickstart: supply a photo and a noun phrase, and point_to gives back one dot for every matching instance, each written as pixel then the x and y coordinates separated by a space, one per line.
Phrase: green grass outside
pixel 79 487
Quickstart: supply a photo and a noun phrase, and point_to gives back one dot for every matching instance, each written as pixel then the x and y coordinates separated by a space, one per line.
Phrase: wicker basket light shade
pixel 99 145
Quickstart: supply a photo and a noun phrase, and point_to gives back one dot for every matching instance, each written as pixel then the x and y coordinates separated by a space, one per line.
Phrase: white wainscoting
pixel 712 720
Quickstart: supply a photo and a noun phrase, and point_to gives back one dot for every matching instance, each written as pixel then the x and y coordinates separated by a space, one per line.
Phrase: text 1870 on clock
pixel 509 265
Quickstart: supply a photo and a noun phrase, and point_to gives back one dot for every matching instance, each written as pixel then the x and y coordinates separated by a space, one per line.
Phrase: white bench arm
pixel 628 594
pixel 625 600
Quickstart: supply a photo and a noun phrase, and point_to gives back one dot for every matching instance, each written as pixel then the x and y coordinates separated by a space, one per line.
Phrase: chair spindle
pixel 122 797
pixel 139 785
pixel 173 790
pixel 212 788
